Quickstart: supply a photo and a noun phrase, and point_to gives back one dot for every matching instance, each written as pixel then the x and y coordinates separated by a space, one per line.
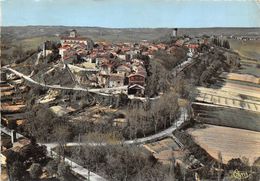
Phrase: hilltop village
pixel 78 109
pixel 111 65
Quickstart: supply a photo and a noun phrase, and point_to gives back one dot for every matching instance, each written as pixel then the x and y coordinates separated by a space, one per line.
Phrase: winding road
pixel 83 172
pixel 78 169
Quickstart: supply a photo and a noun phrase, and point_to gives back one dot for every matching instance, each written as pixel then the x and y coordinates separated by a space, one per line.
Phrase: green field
pixel 33 43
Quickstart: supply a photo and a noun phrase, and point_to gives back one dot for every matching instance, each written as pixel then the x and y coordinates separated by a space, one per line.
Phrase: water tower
pixel 174 32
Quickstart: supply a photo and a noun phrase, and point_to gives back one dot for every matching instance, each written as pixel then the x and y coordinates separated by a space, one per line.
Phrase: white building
pixel 74 38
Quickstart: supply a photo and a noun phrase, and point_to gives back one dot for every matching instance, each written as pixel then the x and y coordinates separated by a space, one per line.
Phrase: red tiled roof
pixel 193 46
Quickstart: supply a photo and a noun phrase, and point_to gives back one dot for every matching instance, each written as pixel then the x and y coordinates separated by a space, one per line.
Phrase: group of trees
pixel 122 162
pixel 31 160
pixel 221 43
pixel 20 55
pixel 147 118
pixel 18 162
pixel 170 60
pixel 210 65
pixel 157 80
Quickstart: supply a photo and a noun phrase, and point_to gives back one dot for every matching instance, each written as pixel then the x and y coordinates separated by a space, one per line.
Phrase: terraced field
pixel 232 95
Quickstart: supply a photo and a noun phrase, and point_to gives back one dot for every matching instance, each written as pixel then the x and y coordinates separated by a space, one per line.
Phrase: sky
pixel 132 13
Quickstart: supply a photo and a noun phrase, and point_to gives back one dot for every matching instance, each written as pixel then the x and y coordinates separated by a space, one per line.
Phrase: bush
pixel 35 170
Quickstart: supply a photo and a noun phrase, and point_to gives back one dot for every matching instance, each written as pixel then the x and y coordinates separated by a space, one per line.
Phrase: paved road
pixel 138 141
pixel 182 66
pixel 62 87
pixel 78 169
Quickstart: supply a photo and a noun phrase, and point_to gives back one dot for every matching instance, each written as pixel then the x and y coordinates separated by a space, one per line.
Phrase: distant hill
pixel 118 35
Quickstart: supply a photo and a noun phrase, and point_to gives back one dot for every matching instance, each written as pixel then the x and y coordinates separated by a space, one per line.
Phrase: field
pixel 242 77
pixel 221 116
pixel 250 49
pixel 250 52
pixel 232 94
pixel 33 43
pixel 249 67
pixel 231 142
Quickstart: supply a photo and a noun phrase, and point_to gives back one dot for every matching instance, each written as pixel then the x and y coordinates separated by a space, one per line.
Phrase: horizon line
pixel 83 26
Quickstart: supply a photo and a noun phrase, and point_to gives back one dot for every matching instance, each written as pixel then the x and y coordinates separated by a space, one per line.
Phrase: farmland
pixel 230 117
pixel 245 144
pixel 248 49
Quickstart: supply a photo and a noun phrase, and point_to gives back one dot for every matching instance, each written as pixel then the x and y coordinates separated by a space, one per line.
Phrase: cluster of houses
pixel 108 65
pixel 244 38
pixel 115 64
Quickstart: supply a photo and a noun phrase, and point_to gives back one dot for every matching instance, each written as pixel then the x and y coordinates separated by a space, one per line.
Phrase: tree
pixel 16 171
pixel 34 152
pixel 236 163
pixel 63 171
pixel 156 80
pixel 35 170
pixel 18 52
pixel 52 167
pixel 226 44
pixel 219 165
pixel 61 135
pixel 14 165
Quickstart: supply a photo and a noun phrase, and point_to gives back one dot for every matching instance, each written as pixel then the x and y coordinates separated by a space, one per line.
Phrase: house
pixel 106 68
pixel 138 68
pixel 124 70
pixel 136 78
pixel 103 80
pixel 116 80
pixel 69 56
pixel 122 57
pixel 179 42
pixel 46 48
pixel 135 89
pixel 193 47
